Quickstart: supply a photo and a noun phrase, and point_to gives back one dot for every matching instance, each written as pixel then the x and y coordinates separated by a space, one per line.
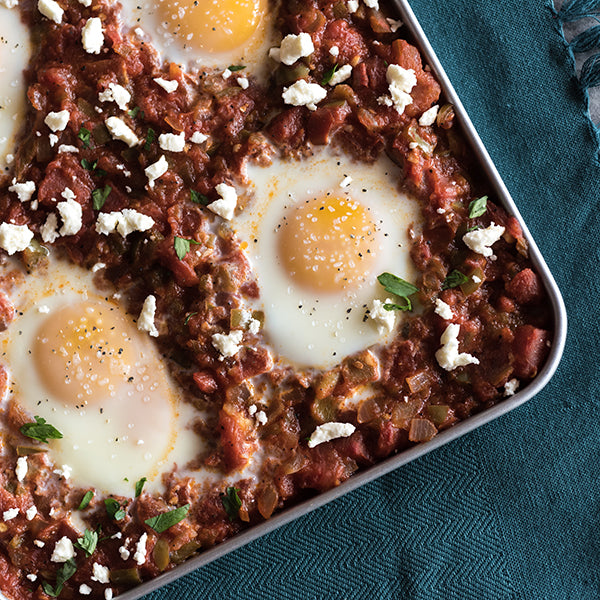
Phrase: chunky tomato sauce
pixel 500 303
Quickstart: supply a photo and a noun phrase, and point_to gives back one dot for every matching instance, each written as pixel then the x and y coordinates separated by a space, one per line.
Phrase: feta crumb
pixel 31 577
pixel 385 319
pixel 476 279
pixel 9 3
pixel 156 170
pixel 98 267
pixel 294 47
pixel 124 553
pixel 53 138
pixel 108 594
pixel 275 54
pixel 140 550
pixel 24 191
pixel 225 206
pixel 119 130
pixel 172 142
pixel 125 222
pixel 9 514
pixel 352 6
pixel 243 82
pixel 21 468
pixel 341 75
pixel 57 121
pixel 252 410
pixel 227 73
pixel 228 344
pixel 86 3
pixel 146 318
pixel 385 101
pixel 482 240
pixel 261 417
pixel 429 116
pixel 68 194
pixel 51 10
pixel 92 36
pixel 302 93
pixel 71 214
pixel 394 24
pixel 448 355
pixel 334 51
pixel 39 543
pixel 49 230
pixel 43 309
pixel 63 550
pixel 139 32
pixel 53 512
pixel 66 148
pixel 372 4
pixel 441 211
pixel 85 590
pixel 100 573
pixel 330 431
pixel 64 471
pixel 198 137
pixel 401 81
pixel 31 512
pixel 443 310
pixel 14 238
pixel 166 84
pixel 511 387
pixel 254 326
pixel 115 93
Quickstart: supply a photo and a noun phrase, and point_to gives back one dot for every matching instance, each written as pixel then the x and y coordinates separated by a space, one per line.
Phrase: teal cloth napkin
pixel 512 510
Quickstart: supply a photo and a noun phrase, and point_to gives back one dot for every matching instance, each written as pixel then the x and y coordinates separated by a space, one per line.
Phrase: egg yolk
pixel 328 244
pixel 212 25
pixel 84 352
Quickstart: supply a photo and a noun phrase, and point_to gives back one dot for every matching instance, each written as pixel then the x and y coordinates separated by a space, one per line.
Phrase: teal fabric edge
pixel 594 129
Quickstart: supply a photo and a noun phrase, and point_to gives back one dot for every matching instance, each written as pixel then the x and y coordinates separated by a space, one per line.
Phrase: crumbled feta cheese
pixel 330 431
pixel 100 573
pixel 51 10
pixel 228 344
pixel 124 553
pixel 31 577
pixel 172 142
pixel 14 238
pixel 53 139
pixel 443 310
pixel 385 101
pixel 334 51
pixel 441 211
pixel 43 309
pixel 146 318
pixel 227 73
pixel 71 214
pixel 92 36
pixel 275 54
pixel 294 47
pixel 9 3
pixel 115 93
pixel 448 355
pixel 198 138
pixel 429 116
pixel 252 410
pixel 68 194
pixel 63 550
pixel 261 417
pixel 372 4
pixel 352 6
pixel 476 279
pixel 85 590
pixel 482 240
pixel 119 130
pixel 385 319
pixel 31 512
pixel 401 81
pixel 225 206
pixel 166 84
pixel 9 514
pixel 302 93
pixel 53 512
pixel 511 387
pixel 156 170
pixel 57 121
pixel 243 82
pixel 108 594
pixel 140 550
pixel 341 75
pixel 254 326
pixel 24 191
pixel 86 3
pixel 21 468
pixel 39 543
pixel 49 230
pixel 66 148
pixel 125 222
pixel 64 471
pixel 394 24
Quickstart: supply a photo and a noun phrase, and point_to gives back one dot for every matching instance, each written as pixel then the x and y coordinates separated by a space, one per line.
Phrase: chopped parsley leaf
pixel 163 521
pixel 65 572
pixel 93 167
pixel 85 501
pixel 99 196
pixel 182 246
pixel 397 286
pixel 328 75
pixel 198 198
pixel 478 207
pixel 40 430
pixel 454 279
pixel 150 137
pixel 139 486
pixel 85 136
pixel 234 68
pixel 88 542
pixel 231 502
pixel 187 319
pixel 133 113
pixel 114 509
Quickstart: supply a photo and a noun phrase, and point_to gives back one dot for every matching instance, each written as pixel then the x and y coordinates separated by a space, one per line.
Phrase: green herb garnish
pixel 198 198
pixel 99 196
pixel 234 68
pixel 85 136
pixel 182 246
pixel 139 486
pixel 114 509
pixel 478 207
pixel 133 113
pixel 65 572
pixel 93 167
pixel 454 279
pixel 328 75
pixel 163 521
pixel 150 137
pixel 231 502
pixel 85 501
pixel 40 430
pixel 88 542
pixel 187 319
pixel 397 286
